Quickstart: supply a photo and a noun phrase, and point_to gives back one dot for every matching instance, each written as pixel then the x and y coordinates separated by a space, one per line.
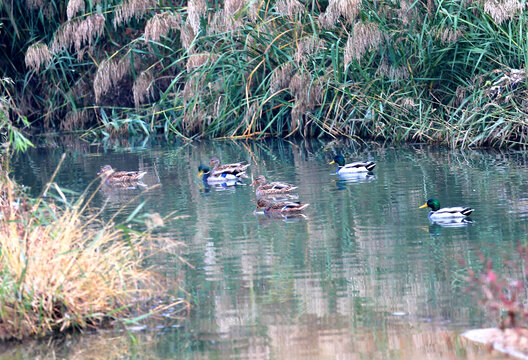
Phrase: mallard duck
pixel 208 176
pixel 237 169
pixel 352 168
pixel 112 176
pixel 437 213
pixel 276 187
pixel 282 207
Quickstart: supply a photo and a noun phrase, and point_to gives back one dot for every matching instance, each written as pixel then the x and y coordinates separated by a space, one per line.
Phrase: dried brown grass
pixel 63 269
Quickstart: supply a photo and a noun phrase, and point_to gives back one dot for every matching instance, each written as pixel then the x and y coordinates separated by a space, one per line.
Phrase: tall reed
pixel 449 72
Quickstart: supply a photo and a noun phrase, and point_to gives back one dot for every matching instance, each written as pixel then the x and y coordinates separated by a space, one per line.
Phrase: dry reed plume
pixel 36 55
pixel 142 87
pixel 349 9
pixel 450 35
pixel 307 95
pixel 393 73
pixel 62 269
pixel 74 6
pixel 75 120
pixel 160 25
pixel 34 4
pixel 195 10
pixel 129 9
pixel 281 76
pixel 109 73
pixel 306 47
pixel 502 10
pixel 289 7
pixel 77 33
pixel 197 60
pixel 365 37
pixel 187 35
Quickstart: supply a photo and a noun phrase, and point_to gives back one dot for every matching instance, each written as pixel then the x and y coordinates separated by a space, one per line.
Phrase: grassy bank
pixel 63 269
pixel 449 72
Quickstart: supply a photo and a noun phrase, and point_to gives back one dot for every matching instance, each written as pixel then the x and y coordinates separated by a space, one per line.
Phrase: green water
pixel 364 275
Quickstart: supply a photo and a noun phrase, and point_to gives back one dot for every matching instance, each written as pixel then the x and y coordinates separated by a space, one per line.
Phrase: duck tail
pixel 242 175
pixel 370 165
pixel 141 174
pixel 303 206
pixel 467 211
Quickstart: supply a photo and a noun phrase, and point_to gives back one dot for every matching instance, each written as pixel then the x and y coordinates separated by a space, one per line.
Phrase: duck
pixel 352 168
pixel 276 187
pixel 210 177
pixel 112 176
pixel 439 214
pixel 281 207
pixel 237 169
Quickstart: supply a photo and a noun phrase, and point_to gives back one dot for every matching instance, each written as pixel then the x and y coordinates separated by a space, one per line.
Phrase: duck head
pixel 432 203
pixel 262 203
pixel 214 162
pixel 260 180
pixel 339 159
pixel 203 169
pixel 106 170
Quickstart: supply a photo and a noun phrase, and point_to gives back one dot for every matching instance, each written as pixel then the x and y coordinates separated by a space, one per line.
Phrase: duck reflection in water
pixel 435 227
pixel 343 180
pixel 266 219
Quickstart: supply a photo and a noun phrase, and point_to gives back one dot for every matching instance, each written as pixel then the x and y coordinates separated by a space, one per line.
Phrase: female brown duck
pixel 112 176
pixel 281 207
pixel 276 187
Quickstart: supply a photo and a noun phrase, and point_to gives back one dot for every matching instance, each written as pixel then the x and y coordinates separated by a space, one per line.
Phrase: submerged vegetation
pixel 438 71
pixel 65 268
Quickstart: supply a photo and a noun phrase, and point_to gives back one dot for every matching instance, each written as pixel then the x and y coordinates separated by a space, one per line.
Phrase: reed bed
pixel 449 72
pixel 63 269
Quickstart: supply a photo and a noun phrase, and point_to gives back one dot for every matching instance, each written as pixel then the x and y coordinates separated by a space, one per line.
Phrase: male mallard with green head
pixel 438 213
pixel 281 207
pixel 276 187
pixel 352 168
pixel 112 176
pixel 208 176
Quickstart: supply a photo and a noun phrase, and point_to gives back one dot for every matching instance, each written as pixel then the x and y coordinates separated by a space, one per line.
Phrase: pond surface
pixel 364 276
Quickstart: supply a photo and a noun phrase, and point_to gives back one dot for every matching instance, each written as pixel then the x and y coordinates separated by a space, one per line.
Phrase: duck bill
pixel 253 183
pixel 200 173
pixel 331 162
pixel 423 206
